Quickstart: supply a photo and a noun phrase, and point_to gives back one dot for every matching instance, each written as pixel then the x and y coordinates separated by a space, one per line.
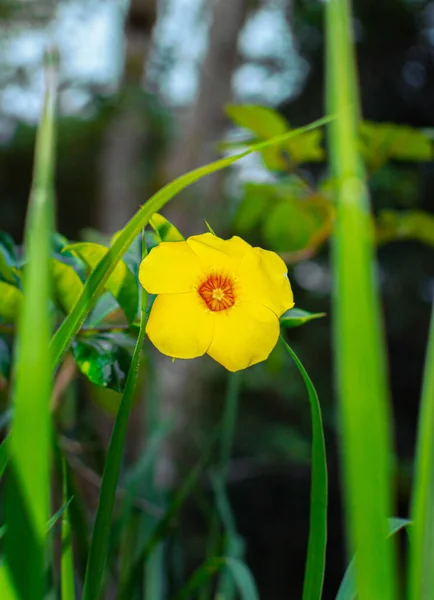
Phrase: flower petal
pixel 170 268
pixel 244 335
pixel 263 278
pixel 180 325
pixel 216 253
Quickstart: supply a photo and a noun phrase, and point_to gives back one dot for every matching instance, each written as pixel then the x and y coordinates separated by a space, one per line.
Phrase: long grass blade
pixel 99 276
pixel 67 586
pixel 359 344
pixel 421 557
pixel 28 474
pixel 316 550
pixel 101 532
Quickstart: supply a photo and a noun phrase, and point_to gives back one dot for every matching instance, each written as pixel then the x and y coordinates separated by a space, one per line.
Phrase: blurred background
pixel 144 85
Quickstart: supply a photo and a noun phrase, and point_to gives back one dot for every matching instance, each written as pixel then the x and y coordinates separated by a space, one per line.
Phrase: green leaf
pixel 55 518
pixel 409 225
pixel 121 282
pixel 294 317
pixel 105 268
pixel 27 489
pixel 358 341
pixel 380 142
pixel 315 563
pixel 348 587
pixel 164 228
pixel 5 359
pixel 421 575
pixel 293 225
pixel 6 271
pixel 264 122
pixel 11 301
pixel 67 285
pixel 253 207
pixel 306 148
pixel 4 456
pixel 240 573
pixel 104 359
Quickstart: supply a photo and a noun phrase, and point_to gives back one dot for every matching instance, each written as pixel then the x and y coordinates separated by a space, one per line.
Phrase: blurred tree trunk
pixel 124 140
pixel 206 122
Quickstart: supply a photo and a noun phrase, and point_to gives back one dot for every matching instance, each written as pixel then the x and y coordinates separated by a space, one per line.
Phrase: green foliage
pixel 409 225
pixel 67 285
pixel 295 317
pixel 104 358
pixel 420 574
pixel 381 142
pixel 121 283
pixel 266 123
pixel 11 300
pixel 289 217
pixel 165 230
pixel 27 492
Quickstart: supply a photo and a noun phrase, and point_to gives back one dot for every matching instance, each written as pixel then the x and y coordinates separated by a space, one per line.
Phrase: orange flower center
pixel 217 292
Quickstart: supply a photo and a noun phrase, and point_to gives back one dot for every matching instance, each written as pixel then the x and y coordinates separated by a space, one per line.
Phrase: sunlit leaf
pixel 122 283
pixel 11 300
pixel 67 285
pixel 294 317
pixel 166 231
pixel 264 122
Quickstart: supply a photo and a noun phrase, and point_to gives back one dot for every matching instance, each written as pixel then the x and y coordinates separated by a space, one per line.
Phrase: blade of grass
pixel 421 557
pixel 4 456
pixel 359 344
pixel 126 236
pixel 67 558
pixel 240 573
pixel 316 550
pixel 28 475
pixel 101 531
pixel 348 587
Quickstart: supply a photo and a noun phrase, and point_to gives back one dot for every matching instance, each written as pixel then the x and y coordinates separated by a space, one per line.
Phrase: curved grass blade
pixel 359 344
pixel 95 283
pixel 27 490
pixel 316 550
pixel 421 571
pixel 348 587
pixel 239 571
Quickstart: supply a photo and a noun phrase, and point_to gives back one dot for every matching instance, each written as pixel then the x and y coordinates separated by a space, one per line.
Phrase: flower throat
pixel 217 292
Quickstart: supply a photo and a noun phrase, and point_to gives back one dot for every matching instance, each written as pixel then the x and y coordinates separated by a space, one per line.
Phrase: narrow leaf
pixel 294 317
pixel 165 229
pixel 315 563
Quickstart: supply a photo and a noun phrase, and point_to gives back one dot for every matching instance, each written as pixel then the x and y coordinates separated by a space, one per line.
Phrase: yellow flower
pixel 220 297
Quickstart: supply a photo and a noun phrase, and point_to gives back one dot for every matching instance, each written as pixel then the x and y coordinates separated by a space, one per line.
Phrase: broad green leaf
pixel 239 571
pixel 6 271
pixel 380 142
pixel 67 285
pixel 8 249
pixel 306 148
pixel 315 563
pixel 293 225
pixel 27 485
pixel 264 122
pixel 109 262
pixel 358 341
pixel 11 301
pixel 104 359
pixel 164 228
pixel 348 587
pixel 421 573
pixel 121 282
pixel 409 225
pixel 253 207
pixel 294 317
